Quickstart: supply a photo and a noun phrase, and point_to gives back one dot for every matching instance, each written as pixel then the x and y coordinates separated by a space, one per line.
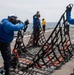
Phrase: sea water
pixel 48 25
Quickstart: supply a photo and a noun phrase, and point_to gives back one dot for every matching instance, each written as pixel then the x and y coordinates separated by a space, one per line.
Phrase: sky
pixel 51 10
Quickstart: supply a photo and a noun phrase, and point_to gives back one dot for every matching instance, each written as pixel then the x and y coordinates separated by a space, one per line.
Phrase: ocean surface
pixel 48 25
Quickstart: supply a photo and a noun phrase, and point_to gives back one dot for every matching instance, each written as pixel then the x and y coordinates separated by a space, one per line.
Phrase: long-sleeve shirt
pixel 36 22
pixel 7 30
pixel 43 22
pixel 69 19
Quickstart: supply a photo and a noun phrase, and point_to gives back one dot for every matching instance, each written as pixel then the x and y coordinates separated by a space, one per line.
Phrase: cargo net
pixel 56 51
pixel 41 40
pixel 19 44
pixel 24 50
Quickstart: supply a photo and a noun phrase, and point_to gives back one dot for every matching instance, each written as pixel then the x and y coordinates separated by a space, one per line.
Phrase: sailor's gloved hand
pixel 19 21
pixel 26 25
pixel 69 7
pixel 40 29
pixel 26 22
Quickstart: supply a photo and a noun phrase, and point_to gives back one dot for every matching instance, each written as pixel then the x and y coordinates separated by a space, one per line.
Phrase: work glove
pixel 26 22
pixel 69 7
pixel 40 29
pixel 19 21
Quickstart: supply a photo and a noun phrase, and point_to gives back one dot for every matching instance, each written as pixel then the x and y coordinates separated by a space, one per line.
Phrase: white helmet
pixel 12 15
